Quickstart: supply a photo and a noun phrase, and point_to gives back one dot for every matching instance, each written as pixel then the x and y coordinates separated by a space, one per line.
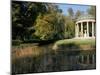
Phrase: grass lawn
pixel 77 42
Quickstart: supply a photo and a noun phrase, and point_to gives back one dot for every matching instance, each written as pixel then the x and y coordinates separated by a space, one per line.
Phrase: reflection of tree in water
pixel 61 60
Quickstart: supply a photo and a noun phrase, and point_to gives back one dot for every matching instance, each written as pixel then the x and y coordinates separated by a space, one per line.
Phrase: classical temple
pixel 85 27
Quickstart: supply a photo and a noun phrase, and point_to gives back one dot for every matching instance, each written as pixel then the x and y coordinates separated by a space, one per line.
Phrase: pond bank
pixel 31 58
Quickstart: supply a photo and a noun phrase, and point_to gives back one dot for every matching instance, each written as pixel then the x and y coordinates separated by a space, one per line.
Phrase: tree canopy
pixel 30 19
pixel 49 26
pixel 70 12
pixel 43 21
pixel 24 15
pixel 78 13
pixel 92 11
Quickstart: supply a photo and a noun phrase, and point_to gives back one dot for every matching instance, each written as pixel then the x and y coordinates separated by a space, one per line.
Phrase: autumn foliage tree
pixel 50 26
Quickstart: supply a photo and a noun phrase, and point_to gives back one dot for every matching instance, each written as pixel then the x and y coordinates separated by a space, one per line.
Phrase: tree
pixel 70 12
pixel 92 11
pixel 49 26
pixel 40 20
pixel 24 15
pixel 53 8
pixel 69 27
pixel 78 13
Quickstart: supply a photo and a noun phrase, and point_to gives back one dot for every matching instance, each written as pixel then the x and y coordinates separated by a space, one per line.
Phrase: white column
pixel 87 29
pixel 92 29
pixel 76 30
pixel 81 29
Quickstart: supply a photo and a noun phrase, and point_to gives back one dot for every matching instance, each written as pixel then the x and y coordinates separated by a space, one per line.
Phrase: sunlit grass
pixel 77 42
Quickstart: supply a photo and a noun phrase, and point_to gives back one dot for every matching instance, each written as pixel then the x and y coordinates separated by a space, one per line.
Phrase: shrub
pixel 16 42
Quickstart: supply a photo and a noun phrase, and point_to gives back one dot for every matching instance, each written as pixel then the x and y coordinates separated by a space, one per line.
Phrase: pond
pixel 38 59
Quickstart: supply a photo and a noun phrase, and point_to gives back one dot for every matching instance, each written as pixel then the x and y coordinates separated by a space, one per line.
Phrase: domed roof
pixel 85 17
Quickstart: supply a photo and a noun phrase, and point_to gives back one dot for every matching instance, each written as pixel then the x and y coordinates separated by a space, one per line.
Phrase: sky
pixel 65 7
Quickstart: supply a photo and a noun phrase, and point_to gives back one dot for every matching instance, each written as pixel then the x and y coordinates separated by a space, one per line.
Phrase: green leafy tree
pixel 24 15
pixel 49 26
pixel 70 12
pixel 69 27
pixel 78 13
pixel 92 11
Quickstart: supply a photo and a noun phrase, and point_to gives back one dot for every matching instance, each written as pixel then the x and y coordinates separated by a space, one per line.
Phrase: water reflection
pixel 49 60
